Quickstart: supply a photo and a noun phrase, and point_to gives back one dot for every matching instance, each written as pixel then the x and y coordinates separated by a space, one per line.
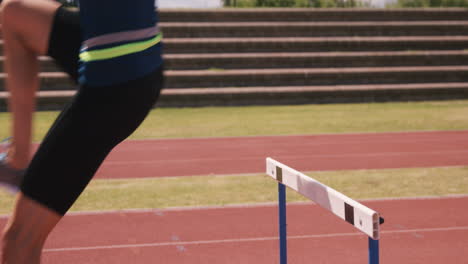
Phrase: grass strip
pixel 286 120
pixel 251 189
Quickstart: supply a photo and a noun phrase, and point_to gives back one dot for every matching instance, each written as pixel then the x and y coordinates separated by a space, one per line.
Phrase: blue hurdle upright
pixel 361 217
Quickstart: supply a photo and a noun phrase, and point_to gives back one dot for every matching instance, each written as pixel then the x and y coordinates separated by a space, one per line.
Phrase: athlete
pixel 112 48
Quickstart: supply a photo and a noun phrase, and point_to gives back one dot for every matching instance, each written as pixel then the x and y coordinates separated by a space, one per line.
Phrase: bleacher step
pixel 286 77
pixel 314 44
pixel 314 59
pixel 297 60
pixel 312 14
pixel 222 96
pixel 277 56
pixel 311 76
pixel 310 44
pixel 313 29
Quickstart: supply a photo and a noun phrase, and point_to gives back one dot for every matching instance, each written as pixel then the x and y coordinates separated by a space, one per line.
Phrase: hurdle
pixel 361 217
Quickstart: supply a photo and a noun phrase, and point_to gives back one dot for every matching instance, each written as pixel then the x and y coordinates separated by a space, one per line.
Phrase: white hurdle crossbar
pixel 361 217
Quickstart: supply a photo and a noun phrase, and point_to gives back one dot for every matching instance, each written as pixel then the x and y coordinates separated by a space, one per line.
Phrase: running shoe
pixel 4 147
pixel 10 178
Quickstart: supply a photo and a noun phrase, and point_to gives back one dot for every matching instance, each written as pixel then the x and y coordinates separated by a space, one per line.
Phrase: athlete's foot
pixel 4 145
pixel 10 178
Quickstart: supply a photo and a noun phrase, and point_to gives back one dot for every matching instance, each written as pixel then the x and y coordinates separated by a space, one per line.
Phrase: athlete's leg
pixel 26 26
pixel 70 155
pixel 27 231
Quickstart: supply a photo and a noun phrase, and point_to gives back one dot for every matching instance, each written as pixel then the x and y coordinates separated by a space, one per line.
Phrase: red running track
pixel 417 231
pixel 425 231
pixel 187 157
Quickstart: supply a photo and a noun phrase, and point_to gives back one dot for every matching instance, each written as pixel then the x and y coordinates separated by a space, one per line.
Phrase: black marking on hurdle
pixel 349 213
pixel 279 174
pixel 381 220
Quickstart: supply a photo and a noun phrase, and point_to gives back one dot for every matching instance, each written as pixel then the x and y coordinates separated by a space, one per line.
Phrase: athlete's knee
pixel 18 245
pixel 17 235
pixel 29 225
pixel 9 10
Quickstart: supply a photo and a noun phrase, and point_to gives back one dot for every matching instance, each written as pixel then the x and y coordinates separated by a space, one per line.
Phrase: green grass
pixel 428 3
pixel 295 3
pixel 286 120
pixel 273 120
pixel 249 189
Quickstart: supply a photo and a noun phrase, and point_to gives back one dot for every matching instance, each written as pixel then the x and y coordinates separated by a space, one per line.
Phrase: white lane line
pixel 305 156
pixel 427 134
pixel 244 206
pixel 243 240
pixel 301 142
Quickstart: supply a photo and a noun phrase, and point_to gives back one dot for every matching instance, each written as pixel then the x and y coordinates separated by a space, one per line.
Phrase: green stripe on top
pixel 125 49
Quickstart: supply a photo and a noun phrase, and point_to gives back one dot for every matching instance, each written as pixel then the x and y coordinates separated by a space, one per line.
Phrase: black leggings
pixel 95 121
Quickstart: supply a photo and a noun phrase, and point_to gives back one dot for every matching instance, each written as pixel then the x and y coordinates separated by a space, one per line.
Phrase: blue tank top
pixel 121 41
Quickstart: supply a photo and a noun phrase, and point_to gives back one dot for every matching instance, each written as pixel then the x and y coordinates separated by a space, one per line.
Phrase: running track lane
pixel 187 157
pixel 417 231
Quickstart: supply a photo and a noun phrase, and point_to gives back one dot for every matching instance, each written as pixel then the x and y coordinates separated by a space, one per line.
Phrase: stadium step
pixel 310 44
pixel 313 29
pixel 196 97
pixel 314 59
pixel 313 94
pixel 277 56
pixel 313 14
pixel 314 44
pixel 225 61
pixel 286 77
pixel 310 76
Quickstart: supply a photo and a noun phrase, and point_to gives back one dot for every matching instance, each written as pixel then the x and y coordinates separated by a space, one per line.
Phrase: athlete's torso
pixel 121 41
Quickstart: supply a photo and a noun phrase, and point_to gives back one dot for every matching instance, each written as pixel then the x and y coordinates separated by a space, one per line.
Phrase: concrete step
pixel 313 94
pixel 275 56
pixel 311 14
pixel 285 77
pixel 310 44
pixel 314 59
pixel 309 77
pixel 314 44
pixel 313 29
pixel 55 100
pixel 297 60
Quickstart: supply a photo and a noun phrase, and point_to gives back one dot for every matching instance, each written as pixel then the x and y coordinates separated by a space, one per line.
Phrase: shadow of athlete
pixel 115 56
